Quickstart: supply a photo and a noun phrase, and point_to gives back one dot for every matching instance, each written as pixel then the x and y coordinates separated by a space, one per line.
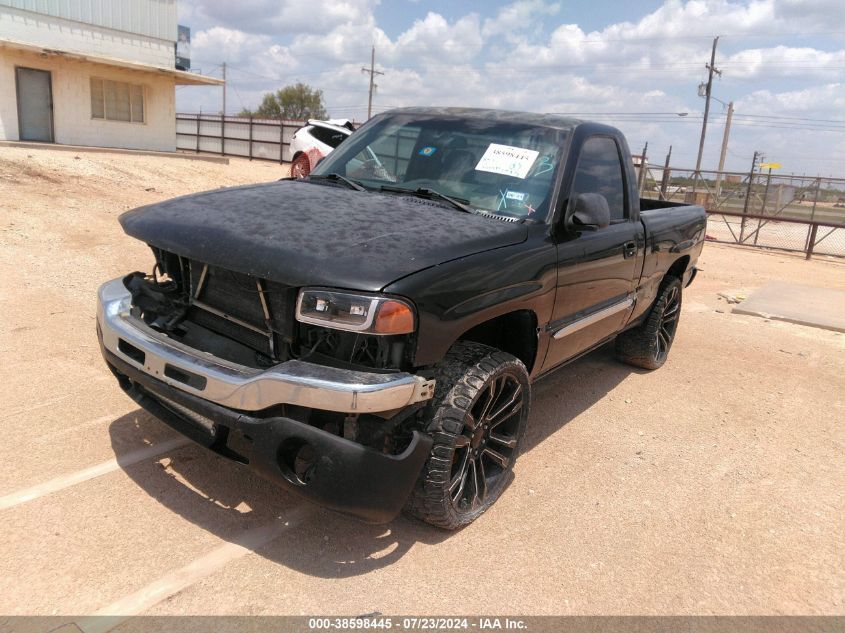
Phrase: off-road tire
pixel 648 344
pixel 466 378
pixel 300 167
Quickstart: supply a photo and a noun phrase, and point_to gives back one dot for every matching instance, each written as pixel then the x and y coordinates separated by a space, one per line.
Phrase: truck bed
pixel 674 224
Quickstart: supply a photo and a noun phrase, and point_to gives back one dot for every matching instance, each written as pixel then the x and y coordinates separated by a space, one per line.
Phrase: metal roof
pixel 182 77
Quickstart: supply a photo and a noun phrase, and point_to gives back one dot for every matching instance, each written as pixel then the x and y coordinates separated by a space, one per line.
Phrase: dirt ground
pixel 711 486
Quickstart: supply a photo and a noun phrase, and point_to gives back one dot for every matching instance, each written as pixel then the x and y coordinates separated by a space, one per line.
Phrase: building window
pixel 117 101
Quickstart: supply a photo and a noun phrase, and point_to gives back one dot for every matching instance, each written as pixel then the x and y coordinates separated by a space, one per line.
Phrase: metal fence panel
pixel 763 209
pixel 246 137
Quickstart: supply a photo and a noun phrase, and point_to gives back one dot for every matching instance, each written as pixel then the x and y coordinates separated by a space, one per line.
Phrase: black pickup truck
pixel 367 336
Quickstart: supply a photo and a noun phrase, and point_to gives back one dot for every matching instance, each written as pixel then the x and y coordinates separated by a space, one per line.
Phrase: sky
pixel 634 65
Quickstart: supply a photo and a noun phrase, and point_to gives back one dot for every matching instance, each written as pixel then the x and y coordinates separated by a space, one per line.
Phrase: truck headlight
pixel 372 314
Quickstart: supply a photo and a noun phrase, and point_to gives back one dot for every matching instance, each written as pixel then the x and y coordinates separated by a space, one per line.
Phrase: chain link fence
pixel 794 213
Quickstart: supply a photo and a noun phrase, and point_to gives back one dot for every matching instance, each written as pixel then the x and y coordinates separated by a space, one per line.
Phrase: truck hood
pixel 302 233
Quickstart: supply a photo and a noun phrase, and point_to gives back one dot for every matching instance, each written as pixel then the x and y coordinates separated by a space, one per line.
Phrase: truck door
pixel 597 270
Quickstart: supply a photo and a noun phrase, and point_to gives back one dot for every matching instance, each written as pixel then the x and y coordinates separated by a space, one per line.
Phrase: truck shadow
pixel 227 499
pixel 565 393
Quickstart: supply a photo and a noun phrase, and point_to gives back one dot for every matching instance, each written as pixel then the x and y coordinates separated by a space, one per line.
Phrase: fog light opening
pixel 297 461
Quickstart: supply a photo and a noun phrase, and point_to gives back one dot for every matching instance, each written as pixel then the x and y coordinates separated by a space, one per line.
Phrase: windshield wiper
pixel 432 194
pixel 352 184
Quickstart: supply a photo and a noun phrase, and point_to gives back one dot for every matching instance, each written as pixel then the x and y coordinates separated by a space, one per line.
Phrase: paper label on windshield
pixel 507 160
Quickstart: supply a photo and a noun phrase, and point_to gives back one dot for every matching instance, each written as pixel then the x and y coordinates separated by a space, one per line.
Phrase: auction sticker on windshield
pixel 507 160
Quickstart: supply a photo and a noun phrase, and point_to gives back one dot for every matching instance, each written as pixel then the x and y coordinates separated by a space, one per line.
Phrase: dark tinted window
pixel 327 136
pixel 600 171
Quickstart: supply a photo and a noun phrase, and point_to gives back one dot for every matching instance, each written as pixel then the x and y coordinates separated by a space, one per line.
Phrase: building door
pixel 35 105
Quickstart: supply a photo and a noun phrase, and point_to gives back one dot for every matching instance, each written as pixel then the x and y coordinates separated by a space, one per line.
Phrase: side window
pixel 600 171
pixel 327 136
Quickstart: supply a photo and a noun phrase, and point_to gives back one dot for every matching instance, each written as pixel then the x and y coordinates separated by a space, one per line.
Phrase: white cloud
pixel 346 42
pixel 228 44
pixel 523 57
pixel 696 18
pixel 802 129
pixel 785 61
pixel 812 102
pixel 822 14
pixel 433 38
pixel 253 57
pixel 279 17
pixel 518 17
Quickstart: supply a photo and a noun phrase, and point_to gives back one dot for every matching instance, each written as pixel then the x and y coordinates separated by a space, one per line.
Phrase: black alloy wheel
pixel 477 419
pixel 668 322
pixel 486 447
pixel 647 345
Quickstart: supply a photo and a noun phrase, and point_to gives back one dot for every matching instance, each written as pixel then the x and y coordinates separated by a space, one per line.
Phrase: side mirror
pixel 590 213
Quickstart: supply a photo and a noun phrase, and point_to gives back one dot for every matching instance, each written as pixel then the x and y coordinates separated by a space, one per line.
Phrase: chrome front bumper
pixel 244 388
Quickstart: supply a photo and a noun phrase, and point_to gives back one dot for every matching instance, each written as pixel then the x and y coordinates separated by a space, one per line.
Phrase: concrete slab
pixel 796 303
pixel 116 150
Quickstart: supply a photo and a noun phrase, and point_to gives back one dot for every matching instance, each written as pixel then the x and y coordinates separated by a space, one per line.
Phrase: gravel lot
pixel 712 486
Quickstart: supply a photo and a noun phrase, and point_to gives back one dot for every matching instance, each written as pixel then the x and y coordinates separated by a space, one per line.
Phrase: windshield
pixel 496 166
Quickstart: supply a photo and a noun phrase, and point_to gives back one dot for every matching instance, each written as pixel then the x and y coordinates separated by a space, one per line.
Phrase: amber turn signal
pixel 394 317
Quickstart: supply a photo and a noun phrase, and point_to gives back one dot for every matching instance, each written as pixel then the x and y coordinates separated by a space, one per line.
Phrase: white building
pixel 91 72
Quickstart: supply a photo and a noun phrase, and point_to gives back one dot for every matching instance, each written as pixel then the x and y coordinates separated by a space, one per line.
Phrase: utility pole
pixel 765 199
pixel 667 175
pixel 748 190
pixel 713 70
pixel 223 116
pixel 643 167
pixel 224 89
pixel 373 72
pixel 724 149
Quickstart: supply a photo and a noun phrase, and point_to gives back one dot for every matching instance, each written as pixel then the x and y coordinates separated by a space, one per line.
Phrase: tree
pixel 298 101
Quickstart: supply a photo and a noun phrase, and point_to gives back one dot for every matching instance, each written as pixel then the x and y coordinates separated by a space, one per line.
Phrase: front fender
pixel 455 297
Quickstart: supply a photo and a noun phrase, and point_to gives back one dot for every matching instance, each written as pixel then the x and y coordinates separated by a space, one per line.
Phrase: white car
pixel 314 141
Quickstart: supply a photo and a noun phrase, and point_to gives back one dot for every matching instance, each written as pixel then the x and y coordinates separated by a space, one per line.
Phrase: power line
pixel 792 118
pixel 277 79
pixel 608 67
pixel 744 120
pixel 238 95
pixel 618 113
pixel 309 54
pixel 712 35
pixel 197 71
pixel 281 79
pixel 249 72
pixel 788 123
pixel 668 66
pixel 789 127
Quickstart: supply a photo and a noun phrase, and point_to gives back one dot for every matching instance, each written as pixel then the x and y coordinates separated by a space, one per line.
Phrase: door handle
pixel 629 249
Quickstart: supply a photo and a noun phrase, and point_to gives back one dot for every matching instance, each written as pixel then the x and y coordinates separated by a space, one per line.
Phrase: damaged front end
pixel 237 317
pixel 220 356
